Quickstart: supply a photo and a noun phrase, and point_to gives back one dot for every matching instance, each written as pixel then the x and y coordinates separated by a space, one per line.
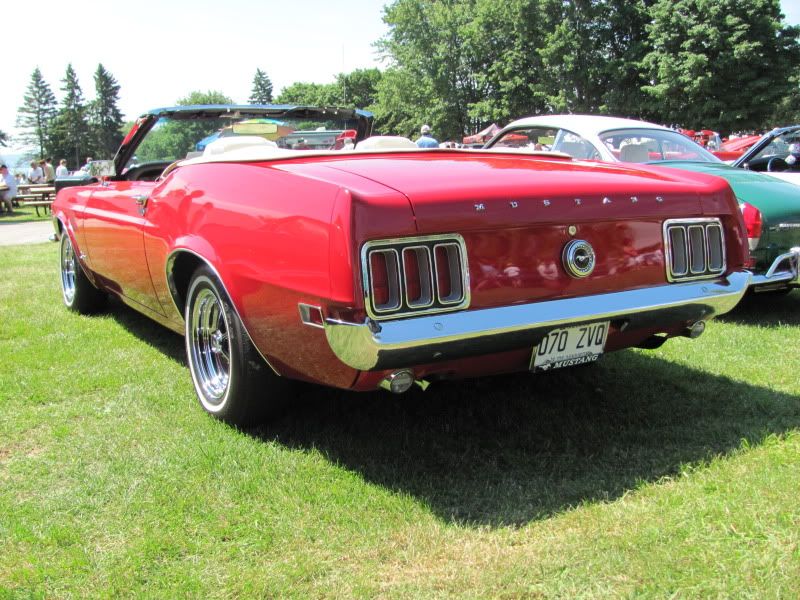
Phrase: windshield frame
pixel 363 119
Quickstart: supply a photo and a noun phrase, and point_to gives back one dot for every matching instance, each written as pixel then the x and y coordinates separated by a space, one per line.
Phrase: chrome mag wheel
pixel 68 267
pixel 210 348
pixel 231 378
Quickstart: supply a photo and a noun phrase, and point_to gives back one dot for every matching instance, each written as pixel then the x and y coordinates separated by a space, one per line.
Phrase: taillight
pixel 695 248
pixel 415 275
pixel 384 280
pixel 753 221
pixel 448 273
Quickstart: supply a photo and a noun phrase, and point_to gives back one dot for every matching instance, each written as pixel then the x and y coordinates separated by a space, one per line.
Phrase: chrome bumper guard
pixel 784 270
pixel 372 346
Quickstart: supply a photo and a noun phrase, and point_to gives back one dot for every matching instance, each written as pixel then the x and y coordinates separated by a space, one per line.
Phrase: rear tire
pixel 231 379
pixel 78 293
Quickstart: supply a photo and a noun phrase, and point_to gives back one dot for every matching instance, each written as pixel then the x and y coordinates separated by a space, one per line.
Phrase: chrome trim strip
pixel 172 292
pixel 772 275
pixel 404 342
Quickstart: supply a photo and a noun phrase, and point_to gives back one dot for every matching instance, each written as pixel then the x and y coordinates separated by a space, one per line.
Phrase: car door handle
pixel 141 200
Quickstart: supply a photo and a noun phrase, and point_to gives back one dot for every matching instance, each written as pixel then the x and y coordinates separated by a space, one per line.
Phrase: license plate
pixel 570 346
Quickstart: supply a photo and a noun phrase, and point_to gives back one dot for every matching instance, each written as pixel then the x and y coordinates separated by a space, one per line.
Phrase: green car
pixel 770 207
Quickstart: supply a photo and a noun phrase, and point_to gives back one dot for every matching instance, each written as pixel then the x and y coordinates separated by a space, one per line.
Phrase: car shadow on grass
pixel 509 450
pixel 766 310
pixel 505 451
pixel 165 340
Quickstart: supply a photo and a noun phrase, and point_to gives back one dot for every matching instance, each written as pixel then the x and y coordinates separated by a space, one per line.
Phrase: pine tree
pixel 35 116
pixel 70 134
pixel 105 118
pixel 262 89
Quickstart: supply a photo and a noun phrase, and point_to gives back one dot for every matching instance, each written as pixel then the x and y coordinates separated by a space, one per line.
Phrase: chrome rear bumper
pixel 372 346
pixel 784 270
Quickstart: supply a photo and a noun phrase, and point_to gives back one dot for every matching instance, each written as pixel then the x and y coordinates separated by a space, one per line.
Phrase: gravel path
pixel 34 232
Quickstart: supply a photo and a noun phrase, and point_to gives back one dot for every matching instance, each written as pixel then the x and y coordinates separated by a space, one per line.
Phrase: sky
pixel 161 50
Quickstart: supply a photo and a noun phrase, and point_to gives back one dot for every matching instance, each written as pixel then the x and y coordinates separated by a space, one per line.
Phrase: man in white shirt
pixel 35 173
pixel 61 169
pixel 8 195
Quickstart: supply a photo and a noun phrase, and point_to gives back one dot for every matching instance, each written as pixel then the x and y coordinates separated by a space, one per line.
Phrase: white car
pixel 609 139
pixel 770 207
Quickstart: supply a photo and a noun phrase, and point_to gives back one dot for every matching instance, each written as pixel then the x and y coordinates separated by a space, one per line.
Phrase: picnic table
pixel 38 195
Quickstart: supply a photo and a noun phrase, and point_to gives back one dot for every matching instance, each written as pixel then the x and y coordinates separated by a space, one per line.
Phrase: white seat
pixel 236 142
pixel 574 149
pixel 385 142
pixel 635 153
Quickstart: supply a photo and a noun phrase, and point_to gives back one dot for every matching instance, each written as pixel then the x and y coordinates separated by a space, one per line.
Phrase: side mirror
pixel 102 169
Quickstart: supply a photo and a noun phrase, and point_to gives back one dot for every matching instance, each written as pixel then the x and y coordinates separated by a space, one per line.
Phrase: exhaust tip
pixel 398 382
pixel 696 330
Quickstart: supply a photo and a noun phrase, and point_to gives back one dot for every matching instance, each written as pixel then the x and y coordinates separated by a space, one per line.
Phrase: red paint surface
pixel 283 232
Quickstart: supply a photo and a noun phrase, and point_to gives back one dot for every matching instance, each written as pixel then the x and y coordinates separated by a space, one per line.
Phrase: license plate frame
pixel 570 346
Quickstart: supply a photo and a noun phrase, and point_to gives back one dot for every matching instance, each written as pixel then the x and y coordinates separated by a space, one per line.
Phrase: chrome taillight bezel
pixel 705 225
pixel 428 303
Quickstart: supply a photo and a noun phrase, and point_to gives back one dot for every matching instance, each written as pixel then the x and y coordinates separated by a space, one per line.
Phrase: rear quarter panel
pixel 276 239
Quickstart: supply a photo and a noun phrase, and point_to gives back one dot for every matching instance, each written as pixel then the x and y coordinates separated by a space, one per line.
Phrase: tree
pixel 209 97
pixel 720 64
pixel 105 118
pixel 37 112
pixel 358 88
pixel 505 40
pixel 70 132
pixel 3 138
pixel 591 56
pixel 177 138
pixel 262 89
pixel 315 94
pixel 430 47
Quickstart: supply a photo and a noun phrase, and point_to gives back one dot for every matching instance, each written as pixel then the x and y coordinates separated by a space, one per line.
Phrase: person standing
pixel 61 169
pixel 49 171
pixel 7 196
pixel 426 140
pixel 35 173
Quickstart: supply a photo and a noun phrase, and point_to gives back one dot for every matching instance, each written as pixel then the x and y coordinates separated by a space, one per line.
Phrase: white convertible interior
pixel 227 144
pixel 385 142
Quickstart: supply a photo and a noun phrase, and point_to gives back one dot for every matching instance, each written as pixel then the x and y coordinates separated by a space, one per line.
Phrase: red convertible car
pixel 282 258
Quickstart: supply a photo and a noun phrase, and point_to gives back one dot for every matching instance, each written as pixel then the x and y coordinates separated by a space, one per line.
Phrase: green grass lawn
pixel 25 214
pixel 670 473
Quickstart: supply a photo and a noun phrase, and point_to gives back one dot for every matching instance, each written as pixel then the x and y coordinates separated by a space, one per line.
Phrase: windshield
pixel 653 145
pixel 172 139
pixel 544 139
pixel 781 146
